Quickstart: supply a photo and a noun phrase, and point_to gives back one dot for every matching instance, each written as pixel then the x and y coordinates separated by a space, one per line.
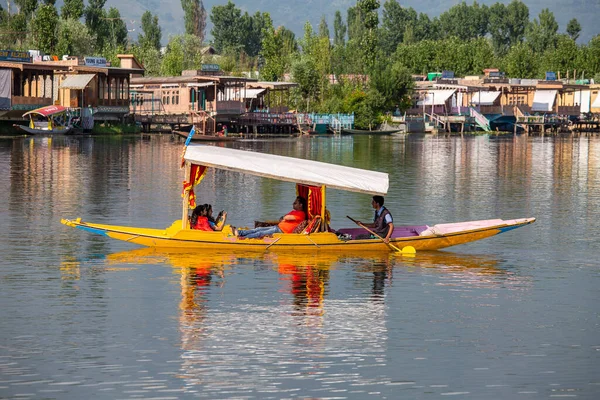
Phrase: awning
pixel 200 84
pixel 596 103
pixel 436 97
pixel 543 100
pixel 47 111
pixel 76 81
pixel 485 98
pixel 253 93
pixel 289 169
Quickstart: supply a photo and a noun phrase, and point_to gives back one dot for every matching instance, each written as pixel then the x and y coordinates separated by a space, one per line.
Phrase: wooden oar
pixel 406 249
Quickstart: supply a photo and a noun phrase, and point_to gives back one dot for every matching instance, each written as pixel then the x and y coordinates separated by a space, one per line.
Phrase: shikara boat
pixel 311 179
pixel 49 120
pixel 348 131
pixel 199 137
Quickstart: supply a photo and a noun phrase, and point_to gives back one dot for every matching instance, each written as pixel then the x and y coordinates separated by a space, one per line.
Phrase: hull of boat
pixel 34 131
pixel 367 132
pixel 207 138
pixel 434 238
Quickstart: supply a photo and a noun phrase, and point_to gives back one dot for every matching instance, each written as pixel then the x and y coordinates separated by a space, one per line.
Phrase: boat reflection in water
pixel 258 323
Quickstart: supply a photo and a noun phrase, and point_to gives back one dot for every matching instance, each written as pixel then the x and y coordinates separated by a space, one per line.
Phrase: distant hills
pixel 293 14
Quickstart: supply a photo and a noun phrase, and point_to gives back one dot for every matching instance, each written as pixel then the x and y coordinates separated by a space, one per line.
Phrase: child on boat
pixel 203 220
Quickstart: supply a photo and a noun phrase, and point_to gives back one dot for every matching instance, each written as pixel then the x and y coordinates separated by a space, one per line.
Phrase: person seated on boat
pixel 218 223
pixel 287 223
pixel 199 219
pixel 383 223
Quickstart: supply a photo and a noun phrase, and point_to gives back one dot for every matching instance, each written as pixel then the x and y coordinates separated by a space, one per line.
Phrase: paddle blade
pixel 408 250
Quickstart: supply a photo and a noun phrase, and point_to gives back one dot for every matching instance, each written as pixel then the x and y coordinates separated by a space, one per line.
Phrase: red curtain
pixel 197 172
pixel 314 201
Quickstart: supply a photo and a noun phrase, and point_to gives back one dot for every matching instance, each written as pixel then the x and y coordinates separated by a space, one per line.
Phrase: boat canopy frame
pixel 311 177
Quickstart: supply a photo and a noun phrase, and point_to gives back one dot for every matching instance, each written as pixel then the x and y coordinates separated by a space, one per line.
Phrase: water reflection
pixel 272 322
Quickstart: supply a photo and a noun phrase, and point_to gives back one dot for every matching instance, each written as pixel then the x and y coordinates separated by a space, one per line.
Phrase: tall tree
pixel 194 18
pixel 275 52
pixel 44 32
pixel 226 27
pixel 26 7
pixel 464 21
pixel 117 28
pixel 183 52
pixel 323 28
pixel 521 62
pixel 252 31
pixel 72 9
pixel 573 29
pixel 74 38
pixel 151 32
pixel 542 34
pixel 396 20
pixel 369 42
pixel 507 24
pixel 96 22
pixel 339 30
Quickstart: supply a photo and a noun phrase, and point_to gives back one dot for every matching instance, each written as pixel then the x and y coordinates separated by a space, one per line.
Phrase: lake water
pixel 516 316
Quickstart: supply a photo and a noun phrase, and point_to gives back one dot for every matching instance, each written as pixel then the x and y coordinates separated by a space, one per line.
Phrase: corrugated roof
pixel 76 81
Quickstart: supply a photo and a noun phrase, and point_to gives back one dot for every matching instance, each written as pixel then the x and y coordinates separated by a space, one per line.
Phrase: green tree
pixel 43 25
pixel 116 28
pixel 465 22
pixel 323 28
pixel 396 20
pixel 74 38
pixel 591 57
pixel 542 34
pixel 507 24
pixel 573 29
pixel 369 42
pixel 17 26
pixel 521 62
pixel 392 80
pixel 194 16
pixel 183 52
pixel 275 52
pixel 95 20
pixel 251 29
pixel 226 27
pixel 563 58
pixel 150 58
pixel 72 9
pixel 151 32
pixel 26 7
pixel 339 30
pixel 309 81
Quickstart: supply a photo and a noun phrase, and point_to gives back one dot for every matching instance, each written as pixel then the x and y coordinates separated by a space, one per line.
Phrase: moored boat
pixel 49 120
pixel 311 179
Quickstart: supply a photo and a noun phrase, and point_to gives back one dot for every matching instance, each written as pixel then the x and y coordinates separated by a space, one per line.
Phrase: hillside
pixel 294 13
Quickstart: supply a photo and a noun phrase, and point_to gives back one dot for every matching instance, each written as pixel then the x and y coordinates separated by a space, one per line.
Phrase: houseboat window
pixel 172 99
pixel 177 99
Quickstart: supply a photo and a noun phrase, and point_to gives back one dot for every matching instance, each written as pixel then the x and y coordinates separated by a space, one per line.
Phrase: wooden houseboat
pixel 212 102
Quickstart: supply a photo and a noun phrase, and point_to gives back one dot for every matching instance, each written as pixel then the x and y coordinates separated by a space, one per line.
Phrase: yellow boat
pixel 311 179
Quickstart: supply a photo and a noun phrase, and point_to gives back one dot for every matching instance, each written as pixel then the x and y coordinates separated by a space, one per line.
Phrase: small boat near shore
pixel 347 131
pixel 48 120
pixel 198 137
pixel 311 179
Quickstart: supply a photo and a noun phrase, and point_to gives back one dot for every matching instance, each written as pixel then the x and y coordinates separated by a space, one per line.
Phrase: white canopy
pixel 543 100
pixel 76 81
pixel 485 98
pixel 436 97
pixel 596 103
pixel 253 93
pixel 289 169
